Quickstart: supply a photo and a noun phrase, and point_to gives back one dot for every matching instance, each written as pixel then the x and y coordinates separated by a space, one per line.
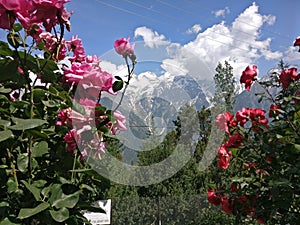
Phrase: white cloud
pixel 291 55
pixel 194 29
pixel 221 12
pixel 174 67
pixel 151 38
pixel 239 43
pixel 269 55
pixel 269 19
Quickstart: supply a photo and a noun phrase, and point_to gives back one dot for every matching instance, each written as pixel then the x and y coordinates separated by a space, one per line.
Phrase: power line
pixel 177 8
pixel 127 11
pixel 153 10
pixel 269 31
pixel 159 12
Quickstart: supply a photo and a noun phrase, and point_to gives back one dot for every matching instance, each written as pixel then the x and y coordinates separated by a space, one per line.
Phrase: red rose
pixel 287 76
pixel 248 76
pixel 213 198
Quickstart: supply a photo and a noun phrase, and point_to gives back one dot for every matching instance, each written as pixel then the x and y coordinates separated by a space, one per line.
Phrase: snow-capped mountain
pixel 151 103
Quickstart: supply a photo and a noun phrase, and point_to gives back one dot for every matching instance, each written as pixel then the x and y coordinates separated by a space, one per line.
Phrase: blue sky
pixel 214 30
pixel 99 22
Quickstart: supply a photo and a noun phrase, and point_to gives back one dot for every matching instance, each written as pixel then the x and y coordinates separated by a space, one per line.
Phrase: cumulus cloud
pixel 194 29
pixel 221 12
pixel 291 55
pixel 239 43
pixel 150 37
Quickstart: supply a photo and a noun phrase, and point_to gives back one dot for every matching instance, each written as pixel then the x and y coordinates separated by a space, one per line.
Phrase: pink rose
pixel 49 13
pixel 76 72
pixel 7 18
pixel 120 123
pixel 51 43
pixel 11 5
pixel 75 46
pixel 64 116
pixel 123 47
pixel 71 138
pixel 93 82
pixel 248 76
pixel 225 121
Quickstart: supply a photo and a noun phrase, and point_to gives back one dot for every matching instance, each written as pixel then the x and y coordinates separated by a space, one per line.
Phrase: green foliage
pixel 225 86
pixel 266 164
pixel 40 182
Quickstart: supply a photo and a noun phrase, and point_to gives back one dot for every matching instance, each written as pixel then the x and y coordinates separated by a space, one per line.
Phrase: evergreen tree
pixel 225 86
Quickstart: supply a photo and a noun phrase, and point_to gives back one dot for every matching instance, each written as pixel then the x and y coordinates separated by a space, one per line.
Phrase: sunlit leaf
pixel 25 124
pixel 60 215
pixel 35 191
pixel 22 162
pixel 28 212
pixel 40 149
pixel 4 135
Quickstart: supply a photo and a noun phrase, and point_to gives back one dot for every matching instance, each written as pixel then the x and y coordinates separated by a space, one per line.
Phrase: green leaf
pixel 118 78
pixel 8 69
pixel 296 147
pixel 117 85
pixel 28 212
pixel 51 103
pixel 40 149
pixel 5 90
pixel 5 50
pixel 6 221
pixel 4 135
pixel 38 134
pixel 17 27
pixel 60 200
pixel 49 66
pixel 34 190
pixel 25 124
pixel 12 186
pixel 68 201
pixel 60 215
pixel 4 204
pixel 22 162
pixel 4 123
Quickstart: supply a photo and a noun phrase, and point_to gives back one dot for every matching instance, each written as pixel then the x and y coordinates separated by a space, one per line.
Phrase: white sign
pixel 100 218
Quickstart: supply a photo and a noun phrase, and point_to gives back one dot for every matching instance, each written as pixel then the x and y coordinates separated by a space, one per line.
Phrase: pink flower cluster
pixel 85 72
pixel 33 12
pixel 83 123
pixel 86 75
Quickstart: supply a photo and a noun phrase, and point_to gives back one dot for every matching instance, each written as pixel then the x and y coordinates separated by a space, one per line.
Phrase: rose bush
pixel 260 159
pixel 51 117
